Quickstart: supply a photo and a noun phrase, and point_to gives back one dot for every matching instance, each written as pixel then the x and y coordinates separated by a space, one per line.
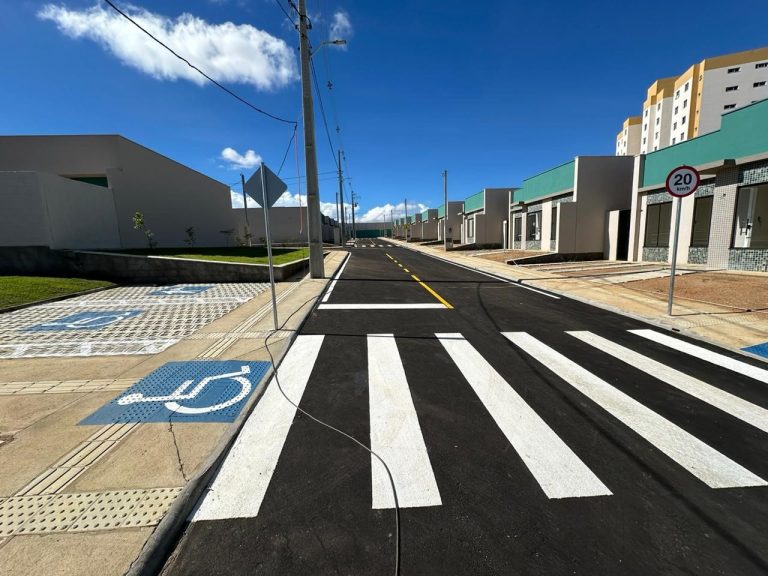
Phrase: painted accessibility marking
pixel 180 290
pixel 196 391
pixel 91 320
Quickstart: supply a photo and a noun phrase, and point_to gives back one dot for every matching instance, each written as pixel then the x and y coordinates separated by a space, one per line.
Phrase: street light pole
pixel 445 210
pixel 310 153
pixel 340 211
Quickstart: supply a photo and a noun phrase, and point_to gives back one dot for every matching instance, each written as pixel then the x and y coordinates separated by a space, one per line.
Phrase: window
pixel 762 65
pixel 644 139
pixel 674 141
pixel 676 108
pixel 657 121
pixel 685 103
pixel 658 106
pixel 471 228
pixel 674 126
pixel 682 136
pixel 729 106
pixel 655 148
pixel 553 229
pixel 677 94
pixel 733 70
pixel 656 136
pixel 645 127
pixel 516 229
pixel 731 88
pixel 758 84
pixel 658 218
pixel 534 226
pixel 646 113
pixel 686 86
pixel 682 121
pixel 751 221
pixel 702 219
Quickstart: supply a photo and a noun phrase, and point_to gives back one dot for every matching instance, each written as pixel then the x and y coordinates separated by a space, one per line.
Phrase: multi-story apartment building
pixel 628 140
pixel 683 107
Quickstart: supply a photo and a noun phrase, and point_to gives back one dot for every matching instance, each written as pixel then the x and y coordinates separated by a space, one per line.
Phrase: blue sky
pixel 492 91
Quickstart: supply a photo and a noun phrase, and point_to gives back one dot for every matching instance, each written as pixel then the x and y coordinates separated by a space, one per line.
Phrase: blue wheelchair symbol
pixel 180 290
pixel 91 320
pixel 195 391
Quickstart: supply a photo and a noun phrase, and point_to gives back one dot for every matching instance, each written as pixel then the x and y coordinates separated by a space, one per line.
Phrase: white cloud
pixel 227 52
pixel 237 200
pixel 386 212
pixel 341 27
pixel 239 161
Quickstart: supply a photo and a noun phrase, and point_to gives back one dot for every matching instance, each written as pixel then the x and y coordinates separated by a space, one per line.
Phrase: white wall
pixel 714 97
pixel 22 218
pixel 287 224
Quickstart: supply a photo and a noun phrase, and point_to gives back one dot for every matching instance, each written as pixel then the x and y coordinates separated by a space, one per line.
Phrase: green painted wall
pixel 441 211
pixel 383 232
pixel 743 132
pixel 424 215
pixel 474 202
pixel 553 180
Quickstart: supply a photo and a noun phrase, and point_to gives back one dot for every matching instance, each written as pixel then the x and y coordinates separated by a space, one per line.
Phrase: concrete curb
pixel 648 320
pixel 159 547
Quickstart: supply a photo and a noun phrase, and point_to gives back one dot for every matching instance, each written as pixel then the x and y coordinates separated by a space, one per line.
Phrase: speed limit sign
pixel 683 181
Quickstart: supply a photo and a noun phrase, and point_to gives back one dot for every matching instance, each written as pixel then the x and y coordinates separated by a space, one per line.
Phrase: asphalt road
pixel 526 434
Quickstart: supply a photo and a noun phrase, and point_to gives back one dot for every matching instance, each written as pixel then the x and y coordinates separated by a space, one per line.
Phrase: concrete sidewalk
pixel 84 500
pixel 722 325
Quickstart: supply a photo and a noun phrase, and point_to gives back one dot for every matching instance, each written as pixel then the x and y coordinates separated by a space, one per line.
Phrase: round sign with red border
pixel 683 181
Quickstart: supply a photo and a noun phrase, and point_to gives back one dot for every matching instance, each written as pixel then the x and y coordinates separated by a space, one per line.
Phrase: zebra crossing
pixel 397 436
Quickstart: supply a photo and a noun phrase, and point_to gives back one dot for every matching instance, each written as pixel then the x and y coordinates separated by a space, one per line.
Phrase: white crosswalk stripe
pixel 700 459
pixel 559 472
pixel 395 432
pixel 733 405
pixel 241 484
pixel 396 435
pixel 759 374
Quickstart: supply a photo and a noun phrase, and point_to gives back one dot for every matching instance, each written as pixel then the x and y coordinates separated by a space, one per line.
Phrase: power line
pixel 293 137
pixel 322 113
pixel 280 5
pixel 195 68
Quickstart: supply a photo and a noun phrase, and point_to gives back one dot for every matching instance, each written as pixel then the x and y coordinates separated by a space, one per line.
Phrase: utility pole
pixel 406 219
pixel 354 230
pixel 310 154
pixel 340 210
pixel 245 209
pixel 445 207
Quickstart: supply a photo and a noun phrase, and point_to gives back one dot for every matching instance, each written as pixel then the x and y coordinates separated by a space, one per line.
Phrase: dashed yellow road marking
pixel 439 298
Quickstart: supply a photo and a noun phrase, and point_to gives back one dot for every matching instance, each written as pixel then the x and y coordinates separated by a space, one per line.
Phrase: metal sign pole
pixel 678 202
pixel 265 205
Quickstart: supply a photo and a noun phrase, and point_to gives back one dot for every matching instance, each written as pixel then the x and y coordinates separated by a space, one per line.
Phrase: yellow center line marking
pixel 406 270
pixel 435 294
pixel 400 265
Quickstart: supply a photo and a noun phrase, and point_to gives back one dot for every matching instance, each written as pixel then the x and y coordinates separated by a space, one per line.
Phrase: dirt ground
pixel 504 255
pixel 746 291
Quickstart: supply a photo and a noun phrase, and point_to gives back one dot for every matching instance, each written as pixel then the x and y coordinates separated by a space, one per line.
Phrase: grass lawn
pixel 16 290
pixel 239 254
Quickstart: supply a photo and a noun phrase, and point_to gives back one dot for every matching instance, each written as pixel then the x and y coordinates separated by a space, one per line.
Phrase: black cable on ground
pixel 353 439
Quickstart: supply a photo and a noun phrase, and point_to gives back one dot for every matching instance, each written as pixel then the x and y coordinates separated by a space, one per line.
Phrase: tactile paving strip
pixel 84 511
pixel 64 386
pixel 164 320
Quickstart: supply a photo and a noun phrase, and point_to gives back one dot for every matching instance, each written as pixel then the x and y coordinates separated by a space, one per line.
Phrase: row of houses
pixel 616 207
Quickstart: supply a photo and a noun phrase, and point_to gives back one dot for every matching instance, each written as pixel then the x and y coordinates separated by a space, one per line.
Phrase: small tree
pixel 138 224
pixel 190 239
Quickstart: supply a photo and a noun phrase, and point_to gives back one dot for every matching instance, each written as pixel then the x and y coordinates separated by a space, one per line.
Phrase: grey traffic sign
pixel 275 186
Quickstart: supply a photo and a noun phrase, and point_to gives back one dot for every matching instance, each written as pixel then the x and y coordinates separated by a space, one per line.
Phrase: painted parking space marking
pixel 557 469
pixel 336 278
pixel 758 349
pixel 195 391
pixel 701 460
pixel 395 432
pixel 180 290
pixel 759 374
pixel 164 320
pixel 720 399
pixel 92 320
pixel 242 481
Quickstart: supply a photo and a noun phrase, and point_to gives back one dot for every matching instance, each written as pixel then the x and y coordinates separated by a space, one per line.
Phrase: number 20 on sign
pixel 681 182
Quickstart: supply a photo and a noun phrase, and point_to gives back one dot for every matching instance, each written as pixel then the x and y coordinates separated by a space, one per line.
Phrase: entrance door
pixel 622 243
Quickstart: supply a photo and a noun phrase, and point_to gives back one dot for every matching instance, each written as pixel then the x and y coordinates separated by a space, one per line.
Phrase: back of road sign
pixel 275 186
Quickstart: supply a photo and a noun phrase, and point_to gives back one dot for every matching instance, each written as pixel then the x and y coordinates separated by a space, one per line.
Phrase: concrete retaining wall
pixel 135 269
